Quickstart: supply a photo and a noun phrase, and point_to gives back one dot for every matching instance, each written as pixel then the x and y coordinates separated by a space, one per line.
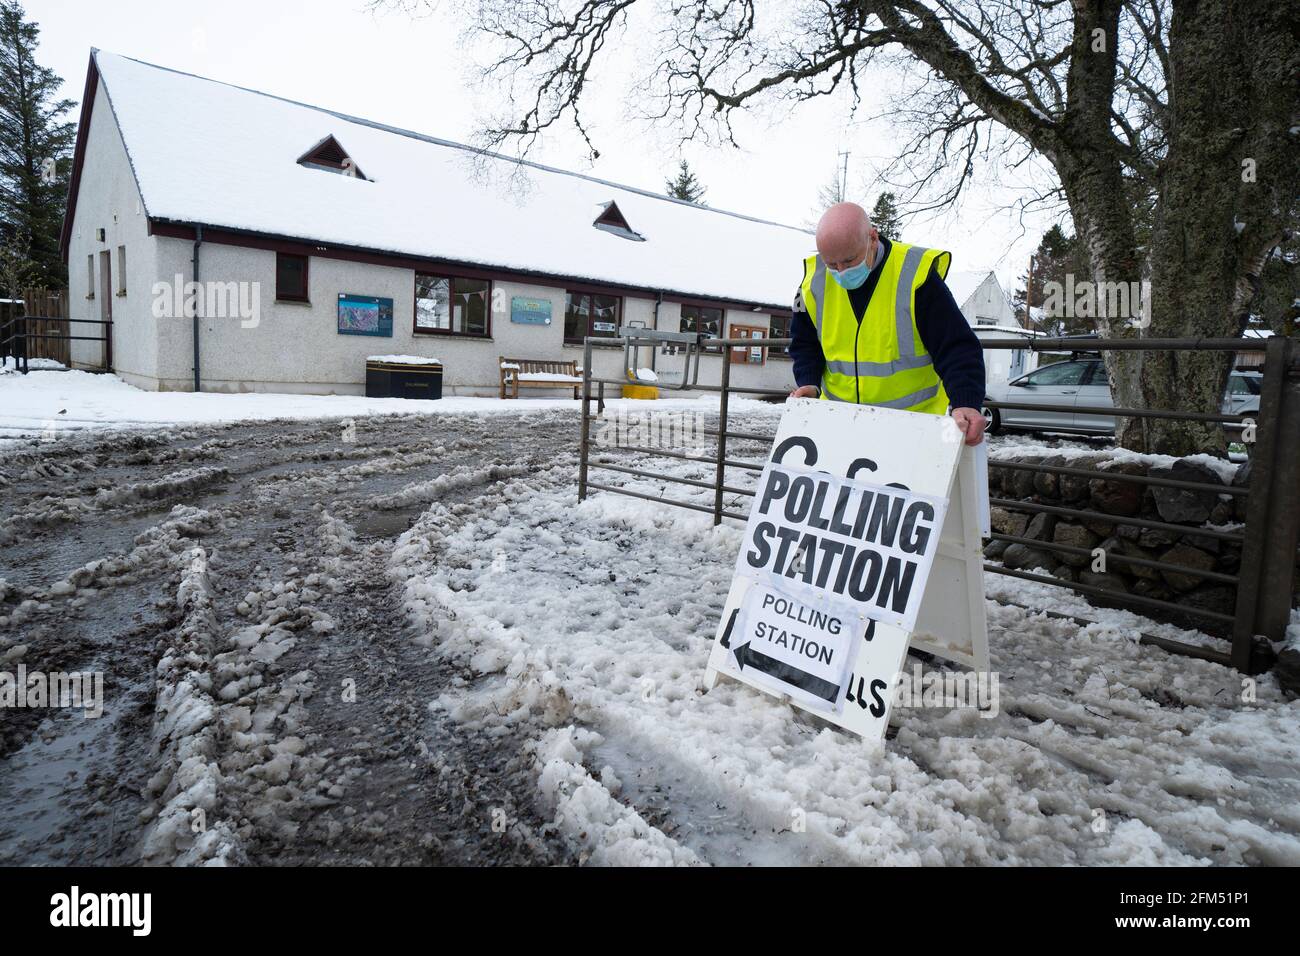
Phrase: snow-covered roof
pixel 994 331
pixel 223 156
pixel 963 284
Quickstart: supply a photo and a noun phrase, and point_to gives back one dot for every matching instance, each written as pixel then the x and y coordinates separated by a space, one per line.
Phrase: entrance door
pixel 743 354
pixel 105 308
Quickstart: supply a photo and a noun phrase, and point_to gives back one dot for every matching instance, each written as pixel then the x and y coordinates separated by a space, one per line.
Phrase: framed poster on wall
pixel 527 311
pixel 365 315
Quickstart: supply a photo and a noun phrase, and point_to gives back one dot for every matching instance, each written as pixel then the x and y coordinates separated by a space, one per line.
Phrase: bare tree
pixel 1168 127
pixel 832 192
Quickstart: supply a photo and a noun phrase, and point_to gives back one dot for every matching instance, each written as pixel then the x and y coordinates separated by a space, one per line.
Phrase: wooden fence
pixel 48 315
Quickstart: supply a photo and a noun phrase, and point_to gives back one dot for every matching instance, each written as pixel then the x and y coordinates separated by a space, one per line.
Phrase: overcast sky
pixel 416 74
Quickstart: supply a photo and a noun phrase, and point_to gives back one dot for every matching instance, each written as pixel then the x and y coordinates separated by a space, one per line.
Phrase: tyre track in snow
pixel 1104 751
pixel 281 769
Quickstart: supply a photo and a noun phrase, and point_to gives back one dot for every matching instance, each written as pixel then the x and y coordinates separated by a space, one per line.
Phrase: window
pixel 121 270
pixel 1096 373
pixel 704 319
pixel 779 328
pixel 1243 385
pixel 451 306
pixel 90 276
pixel 587 313
pixel 747 354
pixel 290 277
pixel 1060 373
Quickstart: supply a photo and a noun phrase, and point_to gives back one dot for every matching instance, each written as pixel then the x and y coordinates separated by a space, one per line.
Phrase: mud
pixel 264 700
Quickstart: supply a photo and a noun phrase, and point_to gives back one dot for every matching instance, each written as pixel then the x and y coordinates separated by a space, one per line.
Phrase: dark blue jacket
pixel 944 331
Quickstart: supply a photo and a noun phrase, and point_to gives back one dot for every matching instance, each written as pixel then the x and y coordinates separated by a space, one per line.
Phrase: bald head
pixel 845 235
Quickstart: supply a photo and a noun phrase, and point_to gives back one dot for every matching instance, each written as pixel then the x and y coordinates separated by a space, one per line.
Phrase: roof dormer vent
pixel 331 157
pixel 612 220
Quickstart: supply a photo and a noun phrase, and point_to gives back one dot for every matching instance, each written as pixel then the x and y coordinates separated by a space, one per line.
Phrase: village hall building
pixel 316 240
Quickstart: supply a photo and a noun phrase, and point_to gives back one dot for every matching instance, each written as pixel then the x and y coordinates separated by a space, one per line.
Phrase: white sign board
pixel 863 532
pixel 795 646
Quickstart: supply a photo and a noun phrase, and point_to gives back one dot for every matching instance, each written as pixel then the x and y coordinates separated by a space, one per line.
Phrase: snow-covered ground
pixel 46 403
pixel 590 625
pixel 526 660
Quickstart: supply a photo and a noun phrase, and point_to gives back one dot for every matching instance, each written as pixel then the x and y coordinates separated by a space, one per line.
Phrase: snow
pixel 404 359
pixel 211 689
pixel 10 366
pixel 646 375
pixel 548 377
pixel 208 152
pixel 1001 331
pixel 965 283
pixel 1002 449
pixel 583 629
pixel 48 404
pixel 588 627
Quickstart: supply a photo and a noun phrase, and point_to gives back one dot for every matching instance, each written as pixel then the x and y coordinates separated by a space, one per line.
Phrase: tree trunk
pixel 1193 267
pixel 1233 99
pixel 1092 178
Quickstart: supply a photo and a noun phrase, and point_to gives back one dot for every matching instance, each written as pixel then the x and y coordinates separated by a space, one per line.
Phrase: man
pixel 875 324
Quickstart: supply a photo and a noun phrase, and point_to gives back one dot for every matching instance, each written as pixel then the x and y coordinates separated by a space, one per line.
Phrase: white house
pixel 306 240
pixel 318 239
pixel 980 297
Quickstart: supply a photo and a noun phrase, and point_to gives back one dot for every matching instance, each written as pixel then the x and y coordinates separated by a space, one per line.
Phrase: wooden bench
pixel 538 373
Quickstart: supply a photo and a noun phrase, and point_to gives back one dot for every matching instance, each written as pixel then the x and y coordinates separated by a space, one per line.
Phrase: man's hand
pixel 971 422
pixel 805 391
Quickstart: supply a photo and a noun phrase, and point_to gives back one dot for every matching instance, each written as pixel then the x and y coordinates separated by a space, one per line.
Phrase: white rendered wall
pixel 108 198
pixel 295 347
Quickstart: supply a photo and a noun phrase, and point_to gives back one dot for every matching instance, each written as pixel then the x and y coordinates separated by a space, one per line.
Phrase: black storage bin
pixel 394 379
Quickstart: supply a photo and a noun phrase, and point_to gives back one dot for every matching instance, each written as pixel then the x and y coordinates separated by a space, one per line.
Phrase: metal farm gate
pixel 1263 584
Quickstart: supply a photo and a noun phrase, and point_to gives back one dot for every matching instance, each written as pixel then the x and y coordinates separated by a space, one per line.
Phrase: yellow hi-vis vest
pixel 880 361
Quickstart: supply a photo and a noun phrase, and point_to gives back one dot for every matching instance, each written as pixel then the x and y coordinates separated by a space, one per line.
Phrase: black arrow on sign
pixel 746 655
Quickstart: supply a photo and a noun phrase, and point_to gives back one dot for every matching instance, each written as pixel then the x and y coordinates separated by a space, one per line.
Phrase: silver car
pixel 1083 382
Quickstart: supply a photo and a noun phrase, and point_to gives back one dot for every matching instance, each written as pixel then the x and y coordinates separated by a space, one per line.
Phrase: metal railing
pixel 1263 581
pixel 16 334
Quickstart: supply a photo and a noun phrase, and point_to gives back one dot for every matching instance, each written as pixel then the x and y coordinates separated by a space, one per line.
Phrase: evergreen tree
pixel 35 149
pixel 1058 256
pixel 686 186
pixel 884 216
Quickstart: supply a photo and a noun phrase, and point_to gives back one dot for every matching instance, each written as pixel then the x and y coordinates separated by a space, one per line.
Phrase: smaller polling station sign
pixel 794 646
pixel 834 572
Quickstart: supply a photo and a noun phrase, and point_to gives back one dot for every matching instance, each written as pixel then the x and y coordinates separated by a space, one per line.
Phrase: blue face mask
pixel 853 276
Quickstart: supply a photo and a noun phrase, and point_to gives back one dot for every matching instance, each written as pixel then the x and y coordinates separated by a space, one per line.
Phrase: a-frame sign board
pixel 819 609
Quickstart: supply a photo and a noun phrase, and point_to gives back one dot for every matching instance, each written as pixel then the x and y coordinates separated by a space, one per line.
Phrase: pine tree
pixel 35 149
pixel 686 186
pixel 884 216
pixel 1057 256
